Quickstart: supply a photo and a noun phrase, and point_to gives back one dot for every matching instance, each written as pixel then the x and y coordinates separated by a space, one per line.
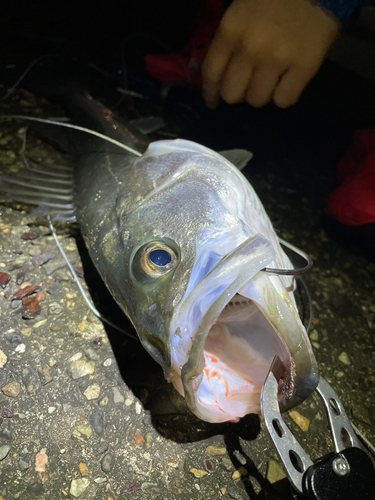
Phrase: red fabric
pixel 353 202
pixel 186 65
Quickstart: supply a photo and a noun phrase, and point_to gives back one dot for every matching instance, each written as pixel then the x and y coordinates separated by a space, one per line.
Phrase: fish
pixel 181 240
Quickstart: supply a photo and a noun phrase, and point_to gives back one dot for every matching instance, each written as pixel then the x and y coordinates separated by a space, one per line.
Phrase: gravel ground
pixel 84 412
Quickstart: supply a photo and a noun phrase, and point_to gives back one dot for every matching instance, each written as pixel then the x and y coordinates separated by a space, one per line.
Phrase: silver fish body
pixel 180 239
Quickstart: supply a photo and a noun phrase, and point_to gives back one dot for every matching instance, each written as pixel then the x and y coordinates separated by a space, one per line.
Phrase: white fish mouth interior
pixel 238 353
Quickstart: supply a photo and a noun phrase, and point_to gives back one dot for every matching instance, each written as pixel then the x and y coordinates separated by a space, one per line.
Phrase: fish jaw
pixel 226 333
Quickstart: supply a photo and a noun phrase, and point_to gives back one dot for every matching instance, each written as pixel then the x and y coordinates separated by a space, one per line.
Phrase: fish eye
pixel 160 257
pixel 154 259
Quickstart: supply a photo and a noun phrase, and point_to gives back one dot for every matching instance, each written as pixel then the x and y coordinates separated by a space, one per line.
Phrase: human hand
pixel 267 50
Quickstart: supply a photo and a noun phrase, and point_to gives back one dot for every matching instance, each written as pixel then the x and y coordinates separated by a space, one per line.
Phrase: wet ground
pixel 86 413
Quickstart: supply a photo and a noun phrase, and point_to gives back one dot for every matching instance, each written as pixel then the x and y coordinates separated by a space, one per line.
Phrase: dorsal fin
pixel 238 157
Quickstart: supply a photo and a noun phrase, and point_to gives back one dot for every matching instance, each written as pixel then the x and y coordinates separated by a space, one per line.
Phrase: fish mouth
pixel 228 331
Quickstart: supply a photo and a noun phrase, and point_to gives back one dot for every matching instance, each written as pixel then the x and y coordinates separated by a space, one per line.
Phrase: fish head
pixel 198 240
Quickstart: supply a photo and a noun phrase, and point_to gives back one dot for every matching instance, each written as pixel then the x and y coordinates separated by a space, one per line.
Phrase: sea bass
pixel 181 240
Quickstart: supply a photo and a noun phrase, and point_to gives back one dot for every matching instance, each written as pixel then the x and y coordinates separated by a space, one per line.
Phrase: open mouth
pixel 227 331
pixel 238 353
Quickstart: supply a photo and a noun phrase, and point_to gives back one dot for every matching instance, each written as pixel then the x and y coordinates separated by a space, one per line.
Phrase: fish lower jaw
pixel 237 355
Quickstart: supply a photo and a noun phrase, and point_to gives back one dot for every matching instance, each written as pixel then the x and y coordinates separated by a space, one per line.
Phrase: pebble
pixel 29 236
pixel 4 279
pixel 274 472
pixel 99 480
pixel 139 439
pixel 45 374
pixel 43 258
pixel 51 409
pixel 239 473
pixel 76 356
pixel 138 408
pixel 7 433
pixel 128 402
pixel 31 309
pixel 104 401
pixel 20 260
pixel 40 323
pixel 107 463
pixel 12 389
pixel 302 422
pixel 41 462
pixel 55 288
pixel 198 472
pixel 344 358
pixel 107 362
pixel 25 285
pixel 20 348
pixel 7 411
pixel 3 359
pixel 240 457
pixel 13 337
pixel 97 421
pixel 216 450
pixel 70 247
pixel 4 450
pixel 26 331
pixel 24 465
pixel 16 303
pixel 314 335
pixel 20 278
pixel 82 432
pixel 55 309
pixel 92 354
pixel 25 290
pixel 33 250
pixel 117 396
pixel 80 368
pixel 78 486
pixel 103 447
pixel 92 392
pixel 83 469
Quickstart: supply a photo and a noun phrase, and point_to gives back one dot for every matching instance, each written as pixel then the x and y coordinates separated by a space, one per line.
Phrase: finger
pixel 236 78
pixel 263 84
pixel 291 85
pixel 213 68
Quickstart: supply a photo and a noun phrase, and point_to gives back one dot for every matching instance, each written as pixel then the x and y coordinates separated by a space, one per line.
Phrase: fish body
pixel 180 238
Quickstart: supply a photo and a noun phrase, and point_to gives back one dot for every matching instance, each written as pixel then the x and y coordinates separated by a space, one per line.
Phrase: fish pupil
pixel 160 257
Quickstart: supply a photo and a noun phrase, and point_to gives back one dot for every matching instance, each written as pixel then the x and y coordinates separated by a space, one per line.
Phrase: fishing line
pixel 81 289
pixel 292 272
pixel 75 127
